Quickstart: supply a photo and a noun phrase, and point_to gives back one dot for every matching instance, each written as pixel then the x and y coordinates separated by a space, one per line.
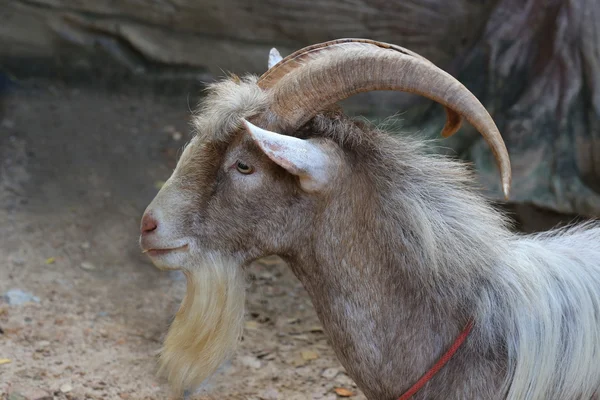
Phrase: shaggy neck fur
pixel 208 324
pixel 407 250
pixel 426 252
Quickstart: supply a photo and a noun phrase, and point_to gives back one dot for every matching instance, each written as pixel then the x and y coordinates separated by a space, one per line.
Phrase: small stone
pixel 308 355
pixel 42 344
pixel 298 361
pixel 85 245
pixel 88 266
pixel 251 362
pixel 344 380
pixel 18 297
pixel 330 373
pixel 17 260
pixel 66 388
pixel 252 325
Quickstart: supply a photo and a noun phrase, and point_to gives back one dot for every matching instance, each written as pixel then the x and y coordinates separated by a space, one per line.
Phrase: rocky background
pixel 534 63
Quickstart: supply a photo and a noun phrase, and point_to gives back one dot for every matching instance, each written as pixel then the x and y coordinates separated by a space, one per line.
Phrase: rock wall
pixel 233 35
pixel 535 64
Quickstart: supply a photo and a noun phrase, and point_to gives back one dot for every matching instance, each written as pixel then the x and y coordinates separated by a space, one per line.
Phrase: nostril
pixel 148 224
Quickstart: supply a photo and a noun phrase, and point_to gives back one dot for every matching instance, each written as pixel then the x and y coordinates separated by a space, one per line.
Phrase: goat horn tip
pixel 506 190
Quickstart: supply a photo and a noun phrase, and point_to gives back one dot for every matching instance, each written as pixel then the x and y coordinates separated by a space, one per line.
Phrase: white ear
pixel 274 57
pixel 307 160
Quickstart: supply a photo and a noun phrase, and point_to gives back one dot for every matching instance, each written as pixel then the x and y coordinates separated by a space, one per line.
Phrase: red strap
pixel 442 361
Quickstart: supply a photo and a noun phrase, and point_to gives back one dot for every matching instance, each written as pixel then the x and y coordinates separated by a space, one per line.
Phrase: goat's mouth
pixel 160 252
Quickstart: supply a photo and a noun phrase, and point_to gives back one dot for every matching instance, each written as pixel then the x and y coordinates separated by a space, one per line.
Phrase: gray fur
pixel 397 254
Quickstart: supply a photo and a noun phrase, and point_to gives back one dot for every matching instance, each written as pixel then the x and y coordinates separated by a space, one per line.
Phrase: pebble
pixel 308 355
pixel 251 362
pixel 330 373
pixel 66 388
pixel 43 344
pixel 88 266
pixel 252 325
pixel 85 245
pixel 344 380
pixel 18 297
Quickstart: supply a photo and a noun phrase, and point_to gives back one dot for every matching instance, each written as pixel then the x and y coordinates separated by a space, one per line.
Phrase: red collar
pixel 442 361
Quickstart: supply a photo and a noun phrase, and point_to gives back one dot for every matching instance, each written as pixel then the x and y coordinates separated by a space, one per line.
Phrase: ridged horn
pixel 315 77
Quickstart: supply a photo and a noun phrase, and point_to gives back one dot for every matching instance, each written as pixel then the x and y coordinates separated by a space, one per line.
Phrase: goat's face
pixel 230 198
pixel 237 189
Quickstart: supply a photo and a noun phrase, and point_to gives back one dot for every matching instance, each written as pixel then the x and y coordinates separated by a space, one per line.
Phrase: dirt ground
pixel 77 168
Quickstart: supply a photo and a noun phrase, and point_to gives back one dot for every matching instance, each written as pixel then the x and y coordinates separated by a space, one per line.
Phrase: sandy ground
pixel 77 169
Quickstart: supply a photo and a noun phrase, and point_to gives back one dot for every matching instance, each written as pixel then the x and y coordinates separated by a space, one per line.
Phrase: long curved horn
pixel 315 77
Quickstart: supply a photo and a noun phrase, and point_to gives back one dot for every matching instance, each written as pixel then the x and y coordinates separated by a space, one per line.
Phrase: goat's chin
pixel 208 325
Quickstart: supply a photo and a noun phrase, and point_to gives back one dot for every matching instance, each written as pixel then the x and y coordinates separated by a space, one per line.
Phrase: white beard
pixel 208 325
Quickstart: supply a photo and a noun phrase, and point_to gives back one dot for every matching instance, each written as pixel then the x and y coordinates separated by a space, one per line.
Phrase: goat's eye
pixel 244 168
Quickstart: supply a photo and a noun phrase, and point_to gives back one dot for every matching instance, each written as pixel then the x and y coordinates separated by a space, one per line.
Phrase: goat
pixel 397 248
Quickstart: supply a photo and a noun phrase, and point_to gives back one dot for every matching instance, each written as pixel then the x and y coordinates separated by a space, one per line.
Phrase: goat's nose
pixel 148 224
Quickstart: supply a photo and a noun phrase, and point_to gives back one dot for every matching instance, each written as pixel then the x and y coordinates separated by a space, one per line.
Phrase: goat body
pixel 397 249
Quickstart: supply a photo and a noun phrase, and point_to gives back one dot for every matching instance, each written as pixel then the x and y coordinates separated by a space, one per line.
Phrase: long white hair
pixel 208 325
